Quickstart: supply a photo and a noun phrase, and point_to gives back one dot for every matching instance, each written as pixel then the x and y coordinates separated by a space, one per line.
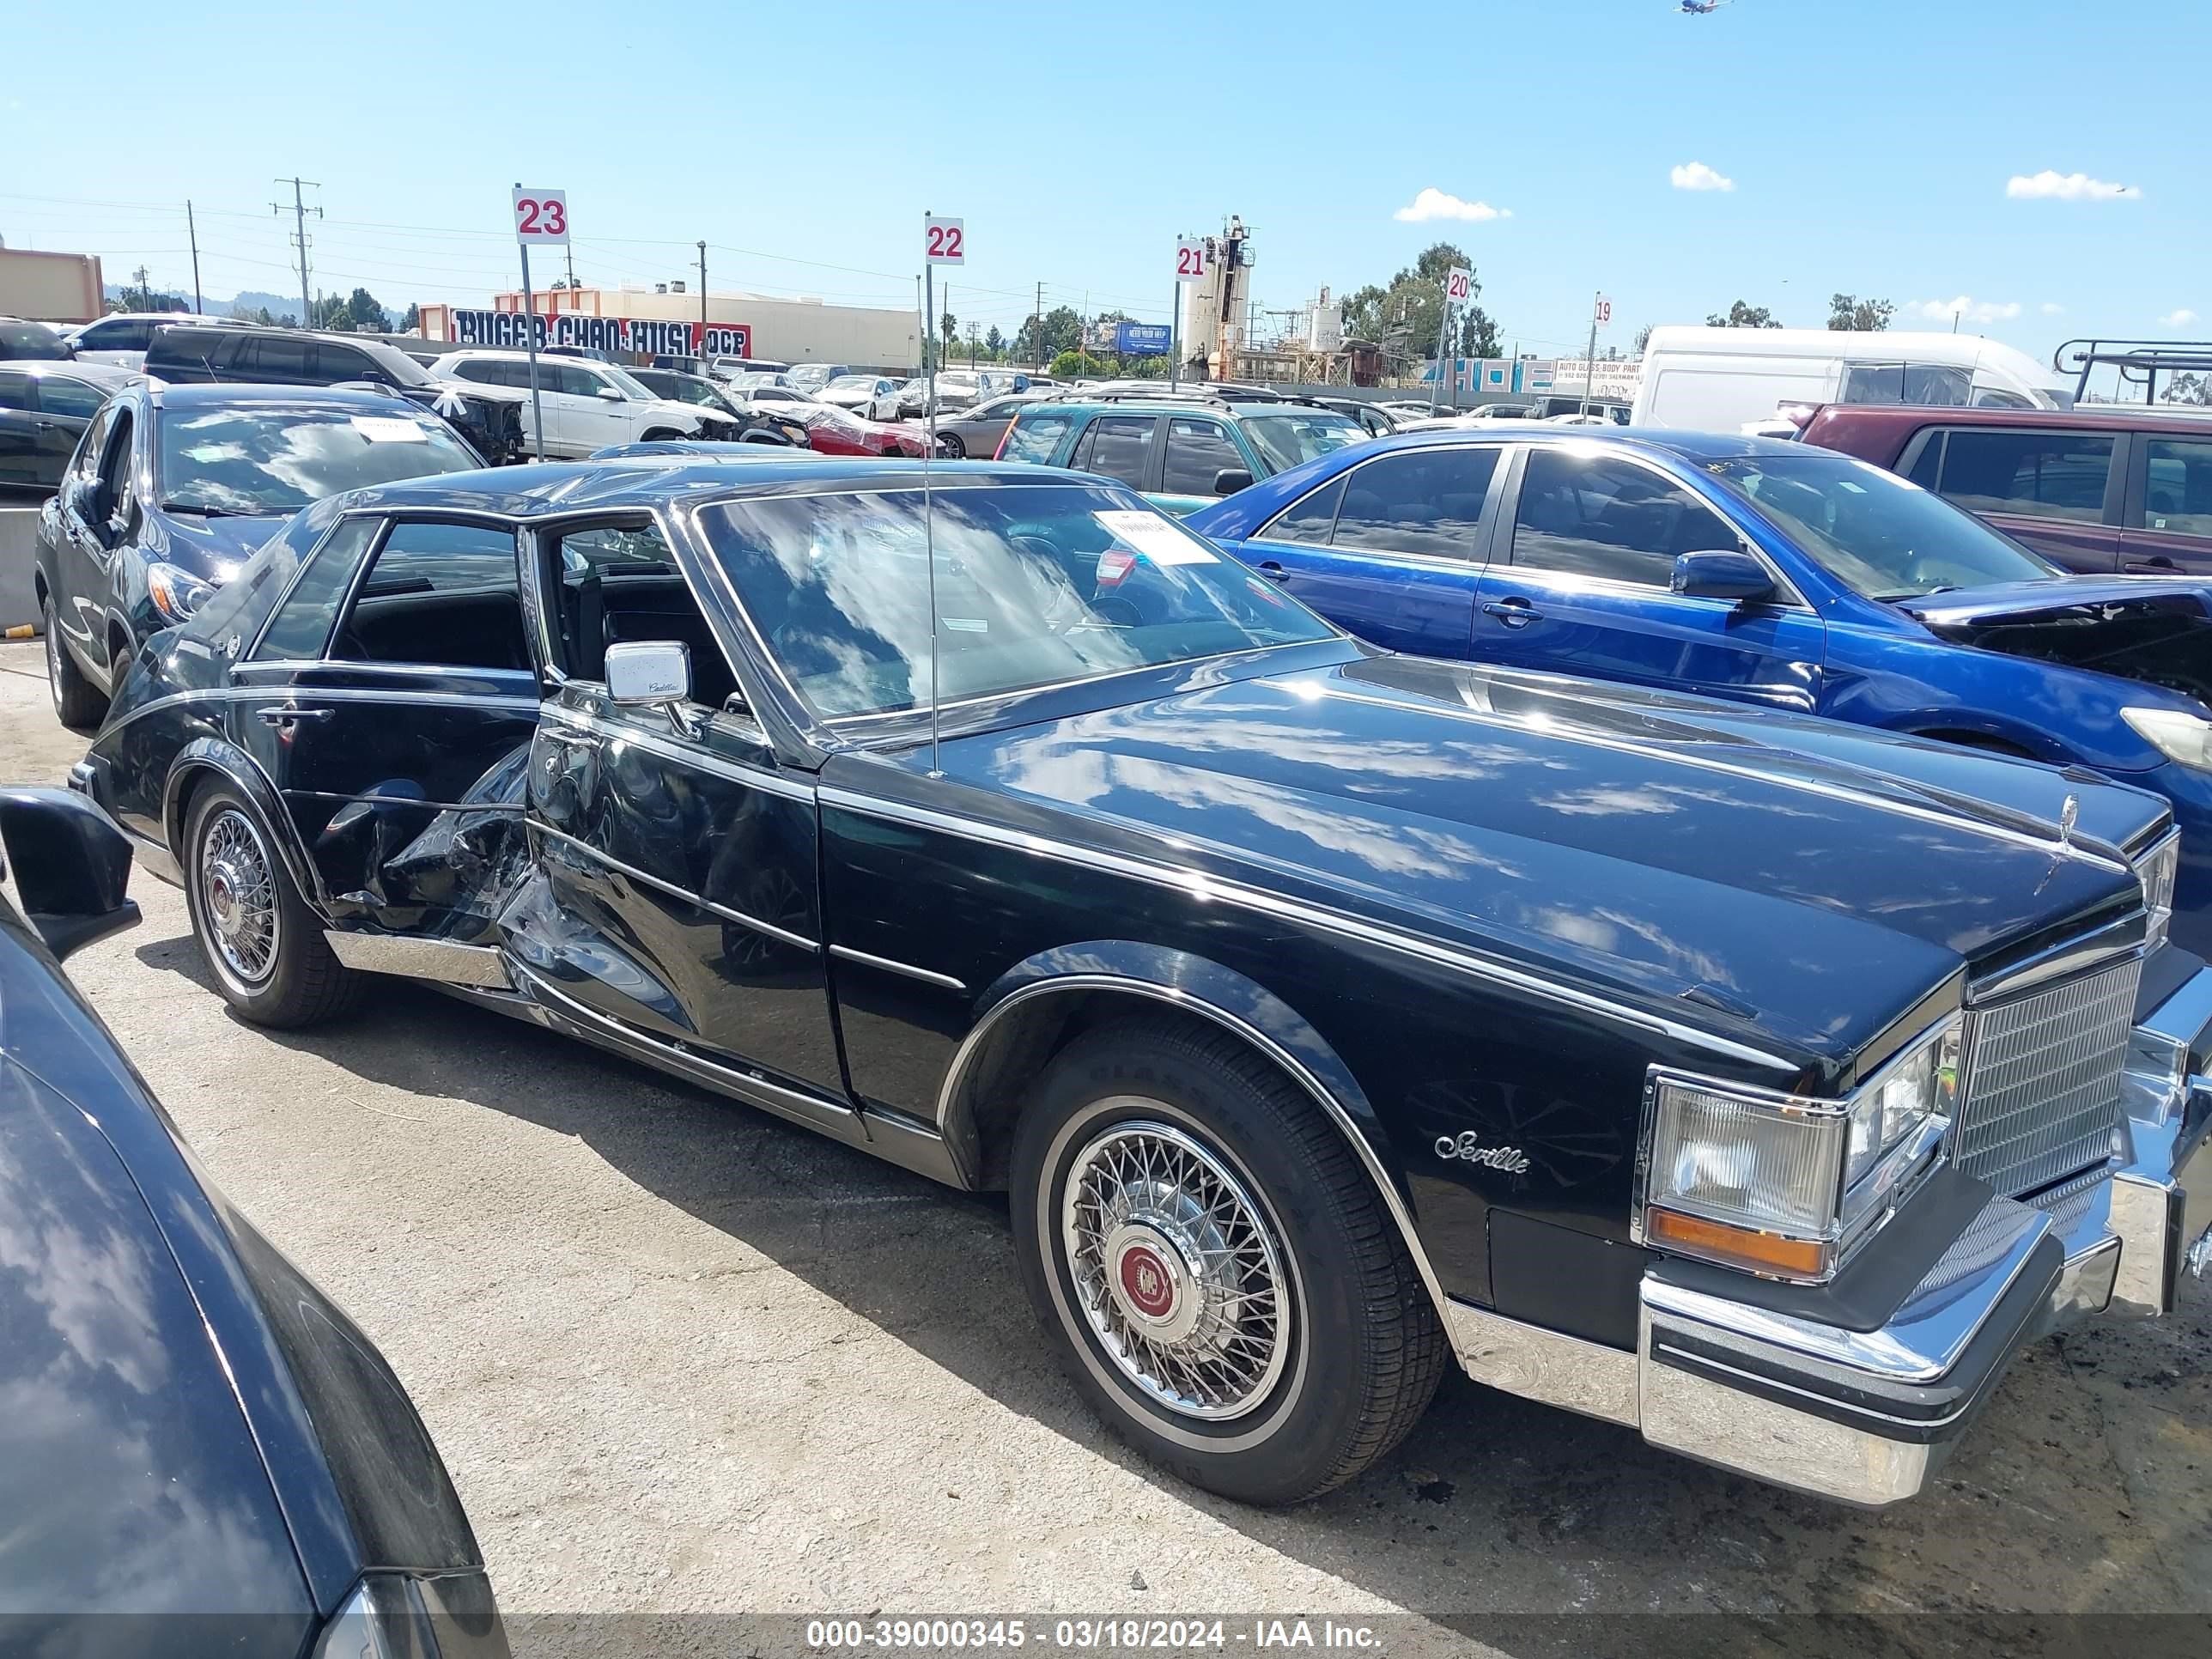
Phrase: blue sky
pixel 1870 144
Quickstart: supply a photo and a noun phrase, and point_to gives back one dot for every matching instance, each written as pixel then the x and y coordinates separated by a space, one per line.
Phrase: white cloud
pixel 1966 308
pixel 2051 185
pixel 1696 175
pixel 2180 319
pixel 1434 203
pixel 2052 309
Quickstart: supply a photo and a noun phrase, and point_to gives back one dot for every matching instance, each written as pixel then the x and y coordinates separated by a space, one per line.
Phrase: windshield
pixel 1287 440
pixel 1036 585
pixel 268 460
pixel 631 385
pixel 30 343
pixel 403 368
pixel 1875 532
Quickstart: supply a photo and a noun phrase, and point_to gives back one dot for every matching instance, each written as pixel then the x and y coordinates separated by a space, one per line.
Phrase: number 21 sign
pixel 1190 260
pixel 944 242
pixel 541 216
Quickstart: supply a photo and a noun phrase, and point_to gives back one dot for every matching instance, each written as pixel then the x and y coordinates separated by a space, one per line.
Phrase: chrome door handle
pixel 1272 571
pixel 1513 613
pixel 287 716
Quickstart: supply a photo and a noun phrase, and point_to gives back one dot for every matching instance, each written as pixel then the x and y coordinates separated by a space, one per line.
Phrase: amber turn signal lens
pixel 1800 1258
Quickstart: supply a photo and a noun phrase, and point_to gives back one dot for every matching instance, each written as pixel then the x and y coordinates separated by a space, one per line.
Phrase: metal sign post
pixel 1190 267
pixel 541 216
pixel 1459 284
pixel 1601 312
pixel 944 242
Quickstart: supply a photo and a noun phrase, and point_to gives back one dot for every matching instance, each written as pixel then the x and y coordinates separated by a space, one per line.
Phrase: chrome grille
pixel 2041 1090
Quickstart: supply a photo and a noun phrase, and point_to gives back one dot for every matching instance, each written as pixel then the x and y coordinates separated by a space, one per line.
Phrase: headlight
pixel 2157 870
pixel 177 593
pixel 2176 734
pixel 1782 1184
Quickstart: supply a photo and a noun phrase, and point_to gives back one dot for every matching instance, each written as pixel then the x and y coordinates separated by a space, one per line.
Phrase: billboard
pixel 1141 339
pixel 650 336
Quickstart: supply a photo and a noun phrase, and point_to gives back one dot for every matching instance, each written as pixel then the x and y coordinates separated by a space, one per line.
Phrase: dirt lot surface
pixel 683 1357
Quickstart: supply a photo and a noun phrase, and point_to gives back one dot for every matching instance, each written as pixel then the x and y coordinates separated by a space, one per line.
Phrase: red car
pixel 833 431
pixel 2104 489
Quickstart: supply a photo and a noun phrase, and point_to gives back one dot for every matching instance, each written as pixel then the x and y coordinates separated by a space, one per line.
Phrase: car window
pixel 15 390
pixel 1034 586
pixel 1927 465
pixel 270 459
pixel 329 362
pixel 576 382
pixel 93 444
pixel 1309 520
pixel 60 395
pixel 2047 475
pixel 1418 500
pixel 1596 515
pixel 278 358
pixel 1284 441
pixel 484 370
pixel 116 493
pixel 444 594
pixel 2178 494
pixel 620 583
pixel 1117 446
pixel 1924 384
pixel 1034 437
pixel 1198 449
pixel 300 630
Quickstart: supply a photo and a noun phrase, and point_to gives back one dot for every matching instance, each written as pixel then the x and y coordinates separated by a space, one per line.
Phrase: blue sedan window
pixel 1036 585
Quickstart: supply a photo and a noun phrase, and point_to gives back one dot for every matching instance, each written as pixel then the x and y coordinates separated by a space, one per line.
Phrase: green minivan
pixel 1180 452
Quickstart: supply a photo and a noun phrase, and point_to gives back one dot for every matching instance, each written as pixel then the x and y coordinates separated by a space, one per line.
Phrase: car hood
pixel 1817 880
pixel 450 392
pixel 213 549
pixel 2152 629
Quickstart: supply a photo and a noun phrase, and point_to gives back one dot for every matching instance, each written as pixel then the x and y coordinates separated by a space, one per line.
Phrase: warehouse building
pixel 739 324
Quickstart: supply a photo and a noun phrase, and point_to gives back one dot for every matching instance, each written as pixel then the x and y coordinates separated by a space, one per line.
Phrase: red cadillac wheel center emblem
pixel 1145 1282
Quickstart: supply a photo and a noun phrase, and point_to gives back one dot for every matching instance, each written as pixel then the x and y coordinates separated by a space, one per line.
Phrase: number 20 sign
pixel 541 216
pixel 944 242
pixel 1457 282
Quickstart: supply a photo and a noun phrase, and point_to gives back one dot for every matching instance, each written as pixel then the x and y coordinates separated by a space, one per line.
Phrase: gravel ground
pixel 683 1359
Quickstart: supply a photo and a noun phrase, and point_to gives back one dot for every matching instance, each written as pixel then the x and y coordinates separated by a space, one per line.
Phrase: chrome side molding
pixel 421 959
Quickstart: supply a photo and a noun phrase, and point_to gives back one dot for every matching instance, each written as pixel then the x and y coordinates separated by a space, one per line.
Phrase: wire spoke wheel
pixel 238 894
pixel 1177 1270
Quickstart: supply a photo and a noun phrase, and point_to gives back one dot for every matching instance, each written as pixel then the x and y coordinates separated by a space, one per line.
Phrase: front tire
pixel 78 703
pixel 1215 1266
pixel 950 443
pixel 262 943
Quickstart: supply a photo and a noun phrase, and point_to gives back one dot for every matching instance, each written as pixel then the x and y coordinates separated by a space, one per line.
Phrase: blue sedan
pixel 1754 569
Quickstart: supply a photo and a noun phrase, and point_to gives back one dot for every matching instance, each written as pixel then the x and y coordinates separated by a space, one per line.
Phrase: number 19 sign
pixel 944 242
pixel 541 217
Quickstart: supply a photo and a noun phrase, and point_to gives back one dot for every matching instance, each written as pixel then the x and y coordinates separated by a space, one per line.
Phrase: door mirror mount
pixel 1231 479
pixel 1728 574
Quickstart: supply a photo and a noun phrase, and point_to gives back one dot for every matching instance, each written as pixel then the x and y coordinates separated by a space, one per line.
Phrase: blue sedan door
pixel 1391 549
pixel 1579 584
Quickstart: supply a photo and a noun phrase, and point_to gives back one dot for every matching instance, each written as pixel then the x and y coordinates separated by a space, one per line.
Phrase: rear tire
pixel 78 703
pixel 262 943
pixel 1215 1266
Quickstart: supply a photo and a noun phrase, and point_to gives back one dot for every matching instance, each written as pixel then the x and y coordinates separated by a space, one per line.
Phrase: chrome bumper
pixel 1868 1417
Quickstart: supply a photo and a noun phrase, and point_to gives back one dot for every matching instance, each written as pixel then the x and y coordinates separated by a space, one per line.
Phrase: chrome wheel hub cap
pixel 239 895
pixel 1177 1270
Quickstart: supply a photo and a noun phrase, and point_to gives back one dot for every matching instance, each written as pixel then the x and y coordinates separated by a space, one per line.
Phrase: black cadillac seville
pixel 1760 1083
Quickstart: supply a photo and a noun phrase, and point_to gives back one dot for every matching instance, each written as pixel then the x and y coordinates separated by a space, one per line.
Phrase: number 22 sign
pixel 541 216
pixel 944 242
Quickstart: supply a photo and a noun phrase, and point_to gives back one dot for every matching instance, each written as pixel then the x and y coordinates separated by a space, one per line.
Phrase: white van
pixel 1730 379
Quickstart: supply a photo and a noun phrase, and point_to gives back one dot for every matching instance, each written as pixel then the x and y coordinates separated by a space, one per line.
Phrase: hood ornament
pixel 2068 814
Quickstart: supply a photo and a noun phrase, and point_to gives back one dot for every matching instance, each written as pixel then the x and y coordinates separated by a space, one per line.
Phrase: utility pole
pixel 569 249
pixel 702 306
pixel 1590 365
pixel 191 232
pixel 299 240
pixel 1037 340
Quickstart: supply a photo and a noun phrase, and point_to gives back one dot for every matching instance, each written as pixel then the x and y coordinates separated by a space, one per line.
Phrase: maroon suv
pixel 2101 489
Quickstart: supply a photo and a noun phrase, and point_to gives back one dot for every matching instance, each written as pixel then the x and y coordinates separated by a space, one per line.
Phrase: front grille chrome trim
pixel 2040 1084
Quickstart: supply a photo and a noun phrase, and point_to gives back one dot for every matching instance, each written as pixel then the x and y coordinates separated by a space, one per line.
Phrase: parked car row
pixel 1063 850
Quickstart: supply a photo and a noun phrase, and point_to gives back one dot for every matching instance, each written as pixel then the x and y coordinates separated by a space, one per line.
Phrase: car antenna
pixel 928 512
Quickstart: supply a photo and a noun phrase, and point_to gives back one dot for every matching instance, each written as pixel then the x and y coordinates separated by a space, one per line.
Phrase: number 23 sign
pixel 944 242
pixel 541 216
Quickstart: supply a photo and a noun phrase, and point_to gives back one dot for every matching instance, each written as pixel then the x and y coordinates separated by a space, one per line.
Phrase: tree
pixel 1404 318
pixel 2189 389
pixel 995 342
pixel 1062 331
pixel 1642 338
pixel 1744 315
pixel 412 320
pixel 949 326
pixel 366 313
pixel 1848 311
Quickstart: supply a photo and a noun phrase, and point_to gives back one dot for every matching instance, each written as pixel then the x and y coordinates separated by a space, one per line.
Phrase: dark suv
pixel 2102 489
pixel 489 417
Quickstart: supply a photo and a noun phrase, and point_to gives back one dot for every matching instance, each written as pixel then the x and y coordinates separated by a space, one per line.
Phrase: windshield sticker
pixel 1156 537
pixel 389 429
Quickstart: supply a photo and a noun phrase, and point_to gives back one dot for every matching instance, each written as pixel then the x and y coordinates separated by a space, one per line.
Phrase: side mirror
pixel 72 866
pixel 648 673
pixel 1722 574
pixel 77 496
pixel 612 395
pixel 1231 479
